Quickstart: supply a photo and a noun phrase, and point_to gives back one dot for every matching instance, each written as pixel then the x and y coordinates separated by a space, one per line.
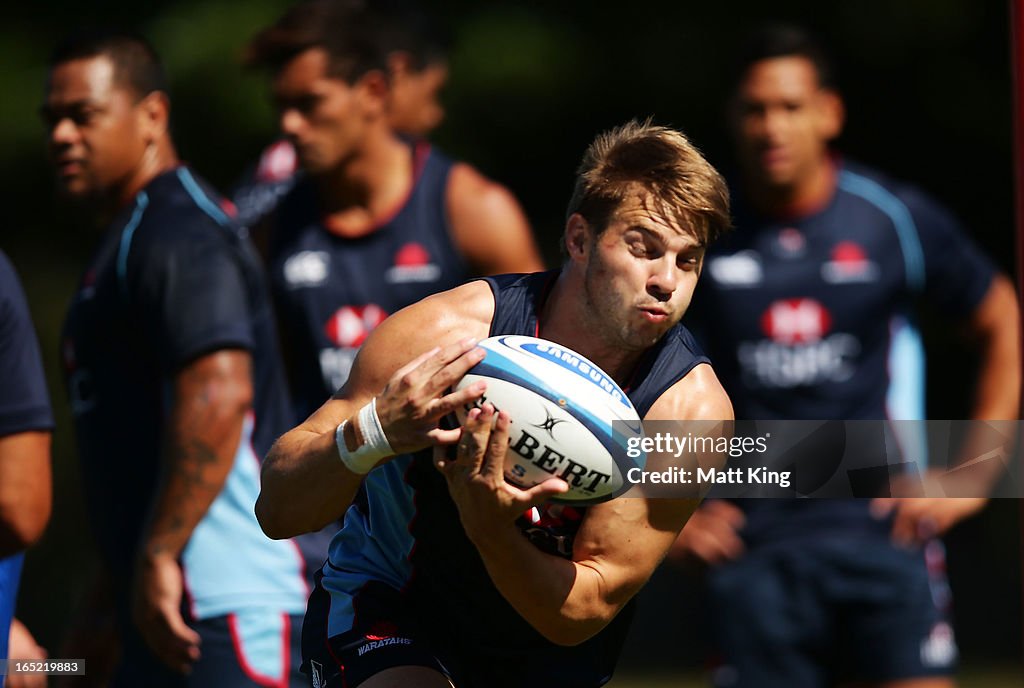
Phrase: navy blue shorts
pixel 385 635
pixel 816 611
pixel 248 649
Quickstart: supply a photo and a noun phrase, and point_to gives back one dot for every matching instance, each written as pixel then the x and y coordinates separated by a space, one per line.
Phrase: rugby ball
pixel 569 418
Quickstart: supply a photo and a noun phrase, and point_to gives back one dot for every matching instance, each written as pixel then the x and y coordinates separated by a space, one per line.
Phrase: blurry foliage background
pixel 927 85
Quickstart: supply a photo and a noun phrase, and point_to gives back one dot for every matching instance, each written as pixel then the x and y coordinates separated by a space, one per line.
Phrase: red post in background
pixel 1017 59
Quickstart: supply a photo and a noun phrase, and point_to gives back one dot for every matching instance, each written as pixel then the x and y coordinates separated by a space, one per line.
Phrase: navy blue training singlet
pixel 332 291
pixel 405 532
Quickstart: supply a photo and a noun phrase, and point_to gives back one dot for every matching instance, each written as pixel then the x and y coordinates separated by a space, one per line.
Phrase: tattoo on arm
pixel 211 401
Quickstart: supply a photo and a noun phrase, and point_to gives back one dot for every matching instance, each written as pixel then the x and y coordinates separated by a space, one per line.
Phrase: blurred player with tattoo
pixel 174 381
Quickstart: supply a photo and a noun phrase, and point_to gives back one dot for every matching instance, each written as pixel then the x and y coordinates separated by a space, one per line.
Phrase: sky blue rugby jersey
pixel 809 318
pixel 24 406
pixel 173 279
pixel 405 531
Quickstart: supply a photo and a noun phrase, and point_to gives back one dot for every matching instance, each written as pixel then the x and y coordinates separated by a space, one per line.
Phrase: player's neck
pixel 806 196
pixel 563 320
pixel 158 158
pixel 368 188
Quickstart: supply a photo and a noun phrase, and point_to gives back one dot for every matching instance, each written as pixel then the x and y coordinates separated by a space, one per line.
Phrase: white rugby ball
pixel 569 418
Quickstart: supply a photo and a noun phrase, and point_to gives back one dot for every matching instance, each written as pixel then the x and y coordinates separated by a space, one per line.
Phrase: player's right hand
pixel 156 611
pixel 711 535
pixel 414 399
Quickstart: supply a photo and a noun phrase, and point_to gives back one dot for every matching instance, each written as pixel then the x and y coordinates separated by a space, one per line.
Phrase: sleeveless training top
pixel 405 532
pixel 332 291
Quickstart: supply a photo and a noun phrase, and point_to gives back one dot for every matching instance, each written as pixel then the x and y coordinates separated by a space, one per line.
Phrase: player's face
pixel 415 107
pixel 784 121
pixel 95 133
pixel 640 274
pixel 324 117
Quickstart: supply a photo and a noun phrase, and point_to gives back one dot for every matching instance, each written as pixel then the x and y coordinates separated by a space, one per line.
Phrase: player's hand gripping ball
pixel 570 420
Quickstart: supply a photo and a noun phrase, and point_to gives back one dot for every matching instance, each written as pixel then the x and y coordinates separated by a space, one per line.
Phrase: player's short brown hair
pixel 660 163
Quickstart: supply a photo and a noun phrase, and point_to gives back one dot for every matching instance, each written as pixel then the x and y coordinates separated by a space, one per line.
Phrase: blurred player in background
pixel 807 309
pixel 377 221
pixel 174 381
pixel 26 422
pixel 431 579
pixel 417 70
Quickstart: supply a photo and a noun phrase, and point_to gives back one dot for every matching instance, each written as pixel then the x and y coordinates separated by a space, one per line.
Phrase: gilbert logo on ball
pixel 569 418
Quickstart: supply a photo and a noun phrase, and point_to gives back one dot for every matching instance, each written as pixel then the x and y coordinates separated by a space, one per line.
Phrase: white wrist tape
pixel 375 444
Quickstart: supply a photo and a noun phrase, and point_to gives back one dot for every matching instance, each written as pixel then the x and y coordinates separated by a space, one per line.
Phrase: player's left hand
pixel 917 519
pixel 156 609
pixel 476 478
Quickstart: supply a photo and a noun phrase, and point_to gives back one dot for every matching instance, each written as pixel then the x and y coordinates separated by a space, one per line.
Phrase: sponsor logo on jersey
pixel 277 163
pixel 413 264
pixel 347 329
pixel 552 527
pixel 794 321
pixel 741 269
pixel 307 269
pixel 351 325
pixel 800 349
pixel 382 642
pixel 849 263
pixel 790 243
pixel 939 648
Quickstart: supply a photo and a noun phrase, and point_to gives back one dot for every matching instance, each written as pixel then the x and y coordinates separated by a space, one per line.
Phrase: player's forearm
pixel 996 325
pixel 565 601
pixel 304 485
pixel 999 378
pixel 25 490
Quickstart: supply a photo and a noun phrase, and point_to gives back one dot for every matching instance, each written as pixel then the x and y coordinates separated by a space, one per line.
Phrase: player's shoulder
pixel 472 301
pixel 468 184
pixel 888 193
pixel 11 292
pixel 439 319
pixel 698 395
pixel 180 206
pixel 8 276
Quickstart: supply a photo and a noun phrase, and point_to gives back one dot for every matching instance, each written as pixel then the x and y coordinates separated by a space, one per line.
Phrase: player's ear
pixel 373 89
pixel 577 237
pixel 833 113
pixel 154 111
